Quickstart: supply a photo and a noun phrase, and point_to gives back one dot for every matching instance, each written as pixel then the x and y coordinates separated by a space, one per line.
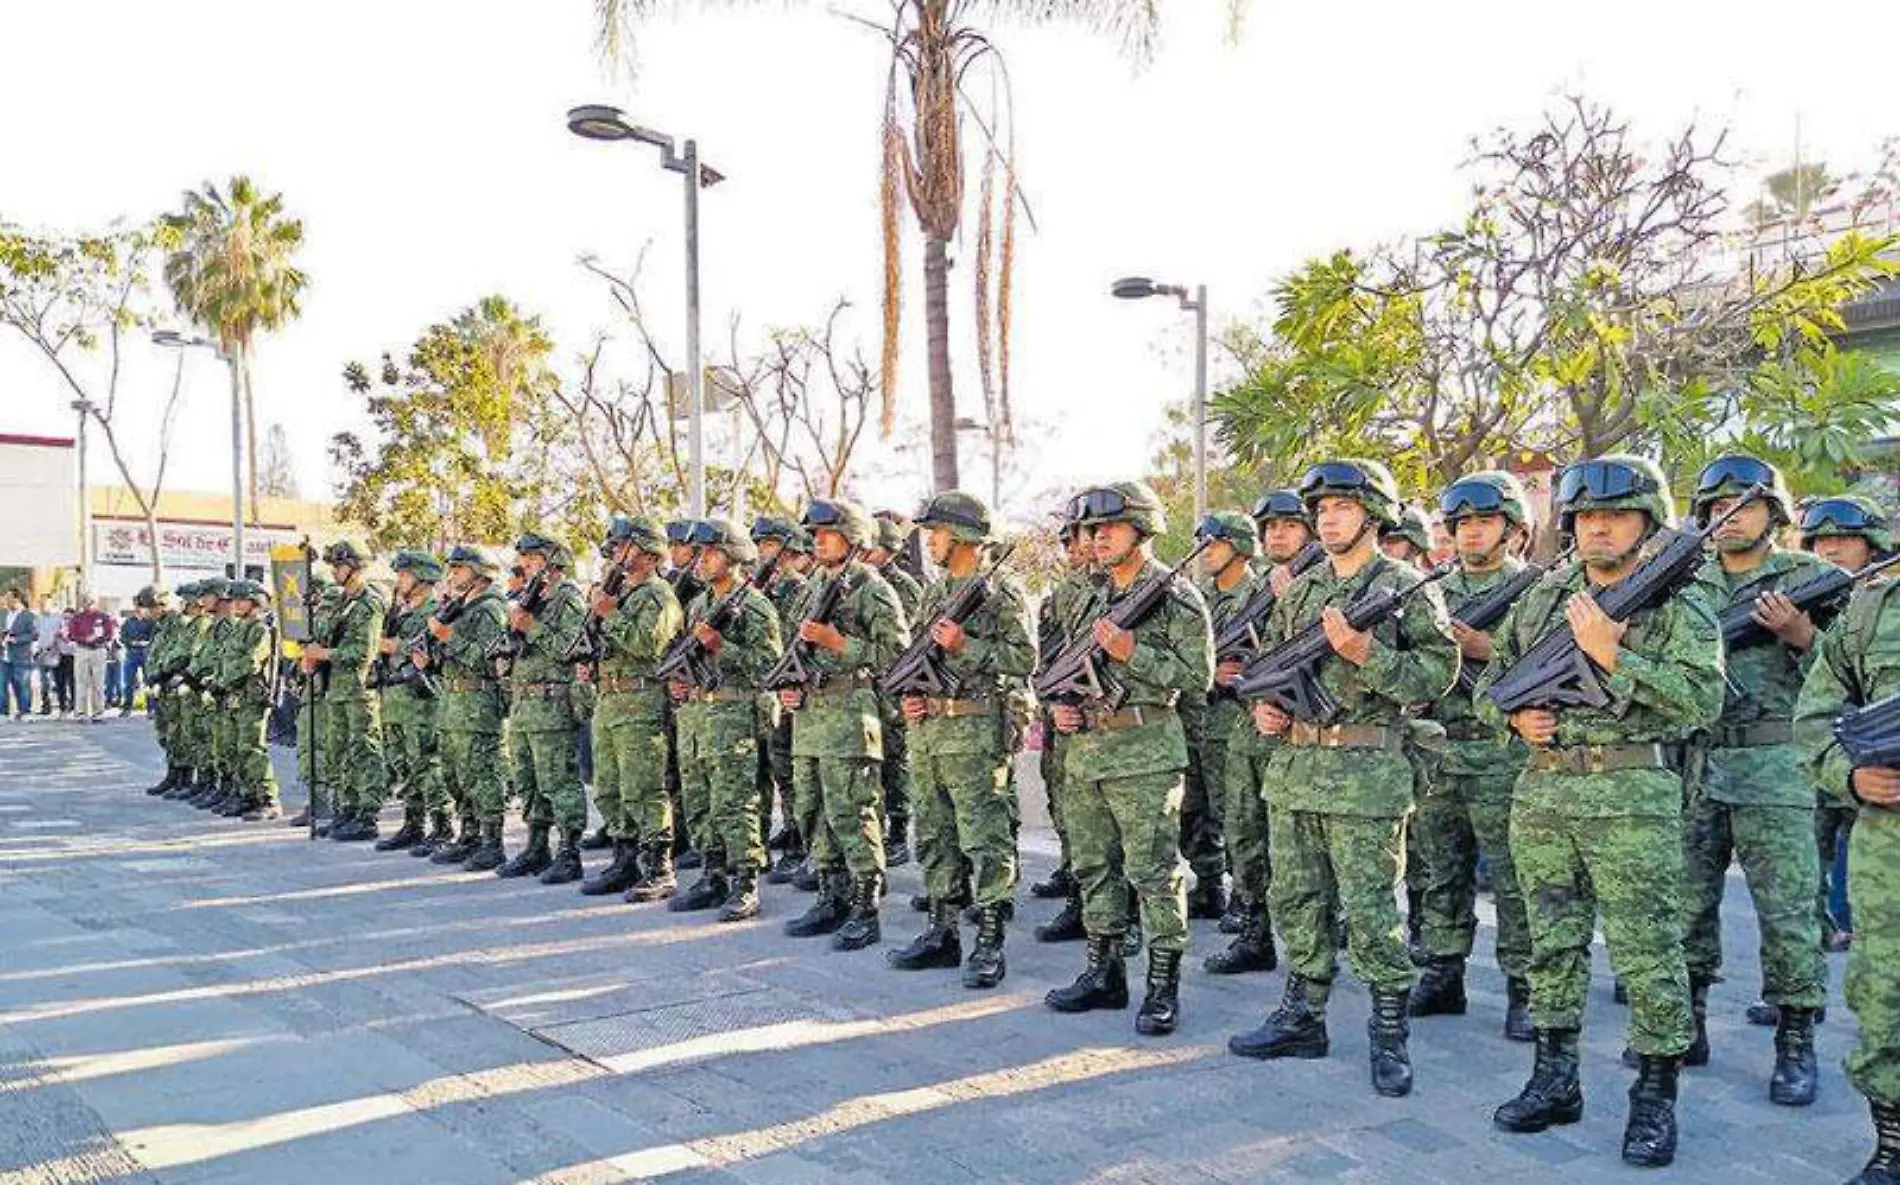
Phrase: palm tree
pixel 232 274
pixel 936 46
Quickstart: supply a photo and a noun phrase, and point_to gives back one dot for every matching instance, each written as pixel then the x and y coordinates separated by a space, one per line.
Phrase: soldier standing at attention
pixel 791 544
pixel 1058 617
pixel 963 744
pixel 408 711
pixel 1123 768
pixel 1752 803
pixel 155 605
pixel 1596 817
pixel 722 725
pixel 1857 664
pixel 1465 809
pixel 1340 792
pixel 892 532
pixel 836 742
pixel 214 596
pixel 243 680
pixel 1229 582
pixel 469 723
pixel 350 719
pixel 313 764
pixel 543 623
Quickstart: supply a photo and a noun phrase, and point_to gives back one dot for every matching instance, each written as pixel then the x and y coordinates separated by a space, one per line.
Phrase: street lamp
pixel 173 340
pixel 83 407
pixel 1140 288
pixel 597 121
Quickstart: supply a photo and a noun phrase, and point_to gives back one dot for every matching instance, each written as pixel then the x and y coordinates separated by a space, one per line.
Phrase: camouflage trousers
pixel 894 775
pixel 546 775
pixel 1460 817
pixel 471 767
pixel 1775 846
pixel 165 726
pixel 1244 773
pixel 719 783
pixel 965 824
pixel 1873 888
pixel 1202 845
pixel 250 751
pixel 1049 764
pixel 311 769
pixel 777 775
pixel 409 749
pixel 1358 859
pixel 1630 867
pixel 1138 817
pixel 351 736
pixel 197 731
pixel 843 797
pixel 1832 827
pixel 630 761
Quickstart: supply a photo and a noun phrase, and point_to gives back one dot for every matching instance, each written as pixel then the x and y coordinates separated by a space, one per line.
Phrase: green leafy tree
pixel 233 273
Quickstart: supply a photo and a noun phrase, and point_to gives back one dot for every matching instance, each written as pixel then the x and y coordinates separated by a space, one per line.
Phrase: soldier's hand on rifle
pixel 1227 672
pixel 440 631
pixel 1778 615
pixel 1068 718
pixel 824 636
pixel 1473 644
pixel 1116 642
pixel 1355 646
pixel 1269 720
pixel 708 637
pixel 949 635
pixel 1279 578
pixel 1538 726
pixel 421 659
pixel 602 604
pixel 1597 635
pixel 790 698
pixel 678 689
pixel 915 708
pixel 520 620
pixel 1877 785
pixel 387 646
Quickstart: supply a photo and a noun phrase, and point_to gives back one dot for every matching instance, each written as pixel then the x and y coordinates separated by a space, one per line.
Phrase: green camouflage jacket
pixel 908 591
pixel 207 650
pixel 244 662
pixel 472 700
pixel 1856 663
pixel 409 702
pixel 1494 752
pixel 1224 712
pixel 352 632
pixel 999 655
pixel 541 683
pixel 632 639
pixel 750 645
pixel 841 719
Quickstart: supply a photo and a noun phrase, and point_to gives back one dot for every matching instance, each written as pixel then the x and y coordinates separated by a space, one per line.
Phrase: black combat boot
pixel 659 882
pixel 488 854
pixel 1235 919
pixel 1517 1011
pixel 1440 991
pixel 742 901
pixel 618 876
pixel 897 842
pixel 782 840
pixel 940 945
pixel 187 781
pixel 1884 1167
pixel 708 892
pixel 1061 883
pixel 598 841
pixel 533 859
pixel 807 879
pixel 1649 1136
pixel 1131 937
pixel 460 847
pixel 1103 984
pixel 920 903
pixel 688 859
pixel 1208 899
pixel 358 827
pixel 406 836
pixel 987 966
pixel 1387 1031
pixel 785 867
pixel 261 810
pixel 566 867
pixel 1554 1095
pixel 1764 1014
pixel 1066 926
pixel 973 913
pixel 440 835
pixel 1294 1029
pixel 1251 950
pixel 209 787
pixel 1161 1006
pixel 1794 1080
pixel 236 803
pixel 827 911
pixel 860 927
pixel 166 783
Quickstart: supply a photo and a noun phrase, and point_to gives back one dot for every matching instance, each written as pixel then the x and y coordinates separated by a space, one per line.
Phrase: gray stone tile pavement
pixel 185 999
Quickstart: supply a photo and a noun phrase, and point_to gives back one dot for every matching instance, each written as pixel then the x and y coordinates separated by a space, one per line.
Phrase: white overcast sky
pixel 422 143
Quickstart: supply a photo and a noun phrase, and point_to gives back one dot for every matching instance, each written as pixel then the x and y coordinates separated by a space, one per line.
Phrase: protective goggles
pixel 1733 471
pixel 1333 475
pixel 935 515
pixel 822 514
pixel 1839 513
pixel 1279 504
pixel 1095 505
pixel 1212 528
pixel 1601 481
pixel 1470 497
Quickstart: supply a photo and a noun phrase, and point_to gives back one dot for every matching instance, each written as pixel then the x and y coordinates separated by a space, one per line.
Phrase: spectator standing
pixel 19 635
pixel 137 636
pixel 46 653
pixel 90 632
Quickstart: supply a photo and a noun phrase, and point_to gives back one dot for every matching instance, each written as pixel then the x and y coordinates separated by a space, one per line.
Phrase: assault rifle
pixel 1820 597
pixel 920 670
pixel 447 611
pixel 1487 609
pixel 1077 673
pixel 586 647
pixel 383 674
pixel 532 598
pixel 687 657
pixel 1287 676
pixel 686 584
pixel 1870 735
pixel 1556 673
pixel 795 668
pixel 1239 639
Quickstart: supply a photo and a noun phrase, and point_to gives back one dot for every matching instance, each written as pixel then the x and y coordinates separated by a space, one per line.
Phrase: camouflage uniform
pixel 1211 729
pixel 469 722
pixel 168 628
pixel 409 717
pixel 351 715
pixel 630 717
pixel 314 748
pixel 243 679
pixel 200 670
pixel 895 773
pixel 786 592
pixel 542 726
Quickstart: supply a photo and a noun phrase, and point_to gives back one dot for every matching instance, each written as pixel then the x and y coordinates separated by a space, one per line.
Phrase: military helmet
pixel 891 529
pixel 837 514
pixel 1614 481
pixel 423 565
pixel 679 532
pixel 475 559
pixel 556 552
pixel 964 515
pixel 346 551
pixel 1366 482
pixel 1489 491
pixel 1847 514
pixel 1732 475
pixel 1281 504
pixel 1233 528
pixel 641 530
pixel 250 590
pixel 1413 526
pixel 150 597
pixel 1131 502
pixel 213 586
pixel 768 526
pixel 726 535
pixel 188 591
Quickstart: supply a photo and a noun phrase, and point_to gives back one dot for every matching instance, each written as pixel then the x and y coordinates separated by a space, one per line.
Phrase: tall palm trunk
pixel 943 403
pixel 250 438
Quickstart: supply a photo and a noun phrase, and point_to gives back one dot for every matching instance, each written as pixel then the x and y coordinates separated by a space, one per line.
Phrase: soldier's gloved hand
pixel 678 689
pixel 1269 720
pixel 1068 718
pixel 1538 726
pixel 1473 644
pixel 949 635
pixel 915 709
pixel 1877 785
pixel 791 698
pixel 387 646
pixel 604 605
pixel 1778 615
pixel 421 659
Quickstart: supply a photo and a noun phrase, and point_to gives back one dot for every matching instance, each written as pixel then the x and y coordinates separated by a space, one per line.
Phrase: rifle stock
pixel 686 656
pixel 1239 639
pixel 1484 612
pixel 1076 674
pixel 1870 735
pixel 920 669
pixel 1821 597
pixel 795 668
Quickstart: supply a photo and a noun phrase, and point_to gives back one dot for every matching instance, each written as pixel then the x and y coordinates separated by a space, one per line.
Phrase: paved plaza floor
pixel 188 999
